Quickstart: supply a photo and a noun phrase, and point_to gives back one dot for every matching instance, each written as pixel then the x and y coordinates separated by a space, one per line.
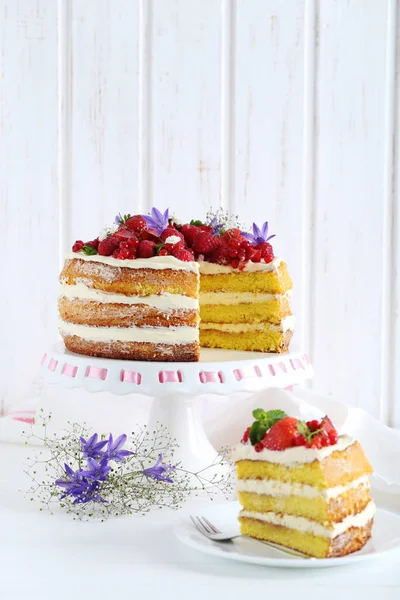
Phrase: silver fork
pixel 211 532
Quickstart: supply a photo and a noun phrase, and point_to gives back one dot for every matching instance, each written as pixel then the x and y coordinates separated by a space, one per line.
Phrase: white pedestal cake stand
pixel 175 386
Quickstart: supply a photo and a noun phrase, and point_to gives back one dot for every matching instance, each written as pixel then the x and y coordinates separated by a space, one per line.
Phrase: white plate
pixel 385 538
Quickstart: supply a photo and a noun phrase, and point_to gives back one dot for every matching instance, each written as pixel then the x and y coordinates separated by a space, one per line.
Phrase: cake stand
pixel 175 386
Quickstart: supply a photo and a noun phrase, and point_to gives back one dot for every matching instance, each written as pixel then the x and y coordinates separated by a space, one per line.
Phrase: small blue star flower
pixel 157 220
pixel 114 451
pixel 259 235
pixel 92 448
pixel 159 472
pixel 97 470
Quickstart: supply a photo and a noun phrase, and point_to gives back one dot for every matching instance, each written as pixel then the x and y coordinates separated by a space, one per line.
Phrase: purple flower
pixel 74 484
pixel 259 235
pixel 157 221
pixel 117 220
pixel 89 494
pixel 92 448
pixel 97 470
pixel 215 226
pixel 114 451
pixel 159 471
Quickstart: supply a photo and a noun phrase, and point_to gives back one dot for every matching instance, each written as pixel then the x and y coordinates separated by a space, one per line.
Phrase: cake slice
pixel 302 486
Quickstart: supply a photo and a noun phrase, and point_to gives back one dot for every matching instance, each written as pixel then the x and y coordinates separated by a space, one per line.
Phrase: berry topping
pixel 77 247
pixel 163 252
pixel 146 249
pixel 258 447
pixel 230 234
pixel 171 232
pixel 184 254
pixel 205 242
pixel 107 246
pixel 282 435
pixel 136 224
pixel 268 253
pixel 276 431
pixel 189 232
pixel 93 243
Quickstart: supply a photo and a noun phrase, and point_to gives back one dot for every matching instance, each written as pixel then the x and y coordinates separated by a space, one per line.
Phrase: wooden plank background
pixel 286 111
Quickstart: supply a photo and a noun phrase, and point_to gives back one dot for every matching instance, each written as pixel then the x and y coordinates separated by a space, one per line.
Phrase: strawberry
pixel 123 235
pixel 148 234
pixel 282 435
pixel 189 232
pixel 136 224
pixel 170 231
pixel 185 254
pixel 107 246
pixel 205 242
pixel 77 247
pixel 93 243
pixel 146 249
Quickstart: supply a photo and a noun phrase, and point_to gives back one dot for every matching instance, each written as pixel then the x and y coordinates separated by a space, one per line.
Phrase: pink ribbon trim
pixel 96 373
pixel 52 364
pixel 170 377
pixel 211 377
pixel 131 377
pixel 69 370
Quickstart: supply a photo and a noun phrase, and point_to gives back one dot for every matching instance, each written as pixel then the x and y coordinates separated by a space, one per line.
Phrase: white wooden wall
pixel 279 110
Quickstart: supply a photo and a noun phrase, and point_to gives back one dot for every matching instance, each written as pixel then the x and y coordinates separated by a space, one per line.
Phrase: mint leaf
pixel 89 250
pixel 158 247
pixel 259 414
pixel 273 416
pixel 197 223
pixel 254 432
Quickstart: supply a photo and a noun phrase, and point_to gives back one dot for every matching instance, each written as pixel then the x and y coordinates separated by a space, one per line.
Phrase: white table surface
pixel 52 557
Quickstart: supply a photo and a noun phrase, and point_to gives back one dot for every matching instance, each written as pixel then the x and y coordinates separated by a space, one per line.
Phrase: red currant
pixel 258 447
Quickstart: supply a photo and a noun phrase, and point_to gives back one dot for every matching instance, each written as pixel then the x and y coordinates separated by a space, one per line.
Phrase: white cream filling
pixel 271 487
pixel 307 526
pixel 207 268
pixel 157 335
pixel 163 301
pixel 224 298
pixel 287 324
pixel 291 456
pixel 155 262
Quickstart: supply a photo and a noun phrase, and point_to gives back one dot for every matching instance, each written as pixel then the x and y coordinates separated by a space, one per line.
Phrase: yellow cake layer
pixel 274 282
pixel 265 341
pixel 317 509
pixel 338 468
pixel 273 310
pixel 291 538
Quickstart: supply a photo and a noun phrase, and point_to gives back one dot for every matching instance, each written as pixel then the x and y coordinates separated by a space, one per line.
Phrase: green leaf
pixel 89 250
pixel 124 218
pixel 197 223
pixel 259 414
pixel 158 247
pixel 253 433
pixel 273 416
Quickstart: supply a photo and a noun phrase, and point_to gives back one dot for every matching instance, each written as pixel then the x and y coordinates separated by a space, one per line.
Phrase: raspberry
pixel 245 244
pixel 205 242
pixel 146 249
pixel 93 243
pixel 300 440
pixel 234 242
pixel 313 425
pixel 163 252
pixel 256 257
pixel 235 264
pixel 245 437
pixel 170 231
pixel 77 246
pixel 220 256
pixel 107 246
pixel 268 253
pixel 185 255
pixel 136 223
pixel 232 252
pixel 189 232
pixel 132 253
pixel 241 254
pixel 258 447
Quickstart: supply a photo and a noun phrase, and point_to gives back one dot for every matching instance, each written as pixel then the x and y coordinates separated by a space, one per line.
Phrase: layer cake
pixel 302 486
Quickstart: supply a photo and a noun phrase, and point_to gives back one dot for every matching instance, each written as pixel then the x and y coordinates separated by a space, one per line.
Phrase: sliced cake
pixel 302 486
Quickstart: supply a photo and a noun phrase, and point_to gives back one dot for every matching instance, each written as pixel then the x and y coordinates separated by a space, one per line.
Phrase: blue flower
pixel 89 494
pixel 92 448
pixel 74 484
pixel 114 451
pixel 159 472
pixel 157 221
pixel 259 235
pixel 97 470
pixel 118 220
